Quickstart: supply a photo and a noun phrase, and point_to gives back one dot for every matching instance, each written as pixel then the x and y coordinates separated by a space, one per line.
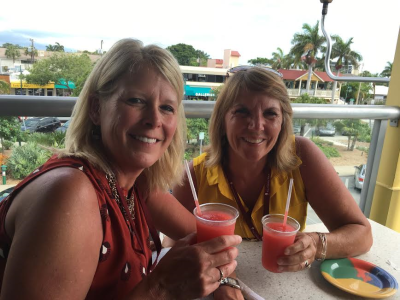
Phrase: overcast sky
pixel 255 28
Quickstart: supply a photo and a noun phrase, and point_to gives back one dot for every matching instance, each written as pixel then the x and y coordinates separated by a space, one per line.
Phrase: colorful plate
pixel 359 277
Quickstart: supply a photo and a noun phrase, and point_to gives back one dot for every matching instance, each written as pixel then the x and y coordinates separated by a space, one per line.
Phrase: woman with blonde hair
pixel 253 154
pixel 78 226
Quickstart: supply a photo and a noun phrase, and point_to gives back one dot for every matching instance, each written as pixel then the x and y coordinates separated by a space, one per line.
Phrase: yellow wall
pixel 385 207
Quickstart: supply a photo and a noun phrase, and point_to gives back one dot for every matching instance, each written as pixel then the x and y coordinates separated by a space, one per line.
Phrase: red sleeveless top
pixel 122 261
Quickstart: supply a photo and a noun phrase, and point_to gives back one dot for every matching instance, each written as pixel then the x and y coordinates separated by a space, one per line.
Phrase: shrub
pixel 365 149
pixel 330 151
pixel 26 159
pixel 7 144
pixel 54 139
pixel 325 147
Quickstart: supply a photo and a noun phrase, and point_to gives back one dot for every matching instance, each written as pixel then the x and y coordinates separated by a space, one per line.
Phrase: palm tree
pixel 55 48
pixel 278 59
pixel 13 52
pixel 32 53
pixel 345 56
pixel 306 46
pixel 387 72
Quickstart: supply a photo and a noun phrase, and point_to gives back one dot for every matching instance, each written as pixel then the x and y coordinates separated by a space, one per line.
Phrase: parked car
pixel 296 129
pixel 47 124
pixel 64 127
pixel 5 193
pixel 325 131
pixel 359 176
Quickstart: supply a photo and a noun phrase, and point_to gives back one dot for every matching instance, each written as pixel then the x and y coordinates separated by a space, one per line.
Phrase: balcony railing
pixel 62 107
pixel 314 93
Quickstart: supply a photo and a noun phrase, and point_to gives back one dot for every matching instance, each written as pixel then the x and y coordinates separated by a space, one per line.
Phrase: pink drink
pixel 276 239
pixel 215 220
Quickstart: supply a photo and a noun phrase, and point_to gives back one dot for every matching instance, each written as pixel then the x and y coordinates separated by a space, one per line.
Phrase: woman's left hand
pixel 300 255
pixel 227 292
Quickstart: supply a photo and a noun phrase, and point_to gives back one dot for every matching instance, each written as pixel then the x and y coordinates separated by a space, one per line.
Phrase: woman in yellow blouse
pixel 252 144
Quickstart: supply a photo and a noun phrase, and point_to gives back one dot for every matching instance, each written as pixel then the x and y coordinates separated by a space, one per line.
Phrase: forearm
pixel 149 289
pixel 345 241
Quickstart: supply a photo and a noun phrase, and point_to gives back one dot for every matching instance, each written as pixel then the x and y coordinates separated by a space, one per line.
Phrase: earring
pixel 96 132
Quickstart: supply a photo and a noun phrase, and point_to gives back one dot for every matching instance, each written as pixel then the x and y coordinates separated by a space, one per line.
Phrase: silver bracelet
pixel 322 238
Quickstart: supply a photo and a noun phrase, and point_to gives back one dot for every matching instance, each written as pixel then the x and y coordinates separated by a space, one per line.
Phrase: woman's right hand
pixel 189 270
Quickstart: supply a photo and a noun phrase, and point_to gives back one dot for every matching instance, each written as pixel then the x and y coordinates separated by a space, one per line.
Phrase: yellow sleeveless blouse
pixel 212 187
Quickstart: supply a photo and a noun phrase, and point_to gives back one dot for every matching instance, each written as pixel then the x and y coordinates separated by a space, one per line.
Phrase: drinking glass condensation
pixel 276 239
pixel 216 219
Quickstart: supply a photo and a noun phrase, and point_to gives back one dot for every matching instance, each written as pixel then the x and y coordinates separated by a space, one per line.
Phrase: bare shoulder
pixel 57 218
pixel 56 189
pixel 305 147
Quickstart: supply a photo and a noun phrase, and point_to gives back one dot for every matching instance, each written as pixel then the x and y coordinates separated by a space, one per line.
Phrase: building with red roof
pixel 321 84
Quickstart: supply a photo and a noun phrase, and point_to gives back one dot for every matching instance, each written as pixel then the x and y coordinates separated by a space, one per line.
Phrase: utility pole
pixel 32 51
pixel 101 48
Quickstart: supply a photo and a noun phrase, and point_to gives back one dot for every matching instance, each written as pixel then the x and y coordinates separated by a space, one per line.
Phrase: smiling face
pixel 252 126
pixel 139 121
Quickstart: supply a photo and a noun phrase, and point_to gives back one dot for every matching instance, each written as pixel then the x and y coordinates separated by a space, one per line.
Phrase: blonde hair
pixel 127 56
pixel 260 80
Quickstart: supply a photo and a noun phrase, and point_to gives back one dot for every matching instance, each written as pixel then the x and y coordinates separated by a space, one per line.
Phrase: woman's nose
pixel 152 117
pixel 256 122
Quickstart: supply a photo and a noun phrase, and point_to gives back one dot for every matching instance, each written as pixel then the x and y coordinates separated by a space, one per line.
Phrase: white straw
pixel 190 180
pixel 289 194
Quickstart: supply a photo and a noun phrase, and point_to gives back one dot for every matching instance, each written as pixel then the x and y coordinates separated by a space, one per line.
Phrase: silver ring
pixel 221 274
pixel 307 265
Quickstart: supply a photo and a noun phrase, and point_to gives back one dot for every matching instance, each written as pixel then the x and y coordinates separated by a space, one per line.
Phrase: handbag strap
pixel 247 215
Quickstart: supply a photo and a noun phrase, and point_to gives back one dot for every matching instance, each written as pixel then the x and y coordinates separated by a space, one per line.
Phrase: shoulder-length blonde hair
pixel 256 79
pixel 125 57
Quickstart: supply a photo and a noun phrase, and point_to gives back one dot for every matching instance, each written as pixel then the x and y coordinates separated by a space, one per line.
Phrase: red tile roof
pixel 235 53
pixel 296 74
pixel 219 61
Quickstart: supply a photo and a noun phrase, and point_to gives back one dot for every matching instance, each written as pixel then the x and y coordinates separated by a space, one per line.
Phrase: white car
pixel 359 176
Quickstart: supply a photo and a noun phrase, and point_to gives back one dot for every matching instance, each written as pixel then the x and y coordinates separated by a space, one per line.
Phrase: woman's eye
pixel 270 113
pixel 135 100
pixel 241 111
pixel 168 108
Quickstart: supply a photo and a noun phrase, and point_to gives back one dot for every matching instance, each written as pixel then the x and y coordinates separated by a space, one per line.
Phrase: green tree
pixel 305 98
pixel 186 55
pixel 353 128
pixel 306 46
pixel 387 72
pixel 62 69
pixel 263 61
pixel 202 58
pixel 10 128
pixel 215 92
pixel 345 56
pixel 278 59
pixel 32 52
pixel 13 52
pixel 4 87
pixel 195 126
pixel 55 48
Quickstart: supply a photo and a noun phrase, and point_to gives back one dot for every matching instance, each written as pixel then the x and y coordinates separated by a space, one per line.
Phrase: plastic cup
pixel 276 239
pixel 216 219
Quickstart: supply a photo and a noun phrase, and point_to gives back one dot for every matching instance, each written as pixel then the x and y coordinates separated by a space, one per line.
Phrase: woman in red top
pixel 78 226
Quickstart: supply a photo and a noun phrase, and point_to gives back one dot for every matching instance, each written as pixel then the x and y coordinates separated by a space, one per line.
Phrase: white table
pixel 310 284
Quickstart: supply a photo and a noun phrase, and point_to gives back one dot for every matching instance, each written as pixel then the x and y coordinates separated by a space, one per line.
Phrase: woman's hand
pixel 189 270
pixel 228 293
pixel 300 255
